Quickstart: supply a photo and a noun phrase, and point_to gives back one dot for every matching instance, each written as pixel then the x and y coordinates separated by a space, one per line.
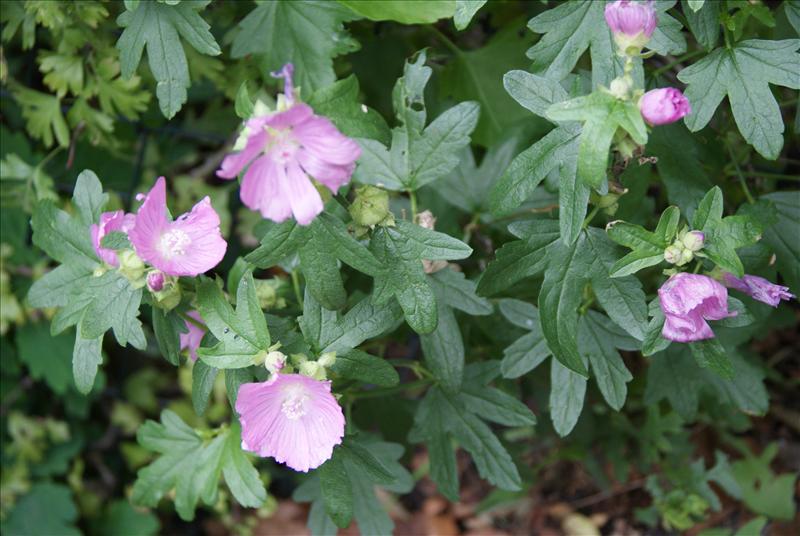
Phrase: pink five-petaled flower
pixel 664 105
pixel 758 288
pixel 292 418
pixel 285 148
pixel 188 246
pixel 109 222
pixel 191 339
pixel 687 301
pixel 631 18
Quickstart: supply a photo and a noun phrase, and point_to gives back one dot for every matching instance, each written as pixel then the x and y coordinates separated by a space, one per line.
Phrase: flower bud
pixel 632 24
pixel 672 254
pixel 370 207
pixel 267 293
pixel 686 257
pixel 132 267
pixel 664 105
pixel 693 240
pixel 274 361
pixel 313 369
pixel 327 359
pixel 155 281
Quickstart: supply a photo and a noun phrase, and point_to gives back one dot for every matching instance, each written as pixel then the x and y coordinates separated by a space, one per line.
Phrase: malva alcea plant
pixel 386 273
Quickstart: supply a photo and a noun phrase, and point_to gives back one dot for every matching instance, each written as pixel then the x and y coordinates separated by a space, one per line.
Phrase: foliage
pixel 482 296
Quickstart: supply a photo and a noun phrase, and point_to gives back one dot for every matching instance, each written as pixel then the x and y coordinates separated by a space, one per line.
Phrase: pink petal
pixel 233 164
pixel 191 340
pixel 330 175
pixel 291 117
pixel 151 221
pixel 301 434
pixel 321 137
pixel 261 190
pixel 109 222
pixel 207 247
pixel 303 197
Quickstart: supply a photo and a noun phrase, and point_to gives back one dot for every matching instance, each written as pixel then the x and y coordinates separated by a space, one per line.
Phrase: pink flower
pixel 155 281
pixel 758 288
pixel 631 18
pixel 110 221
pixel 664 105
pixel 191 339
pixel 292 418
pixel 285 148
pixel 687 301
pixel 189 246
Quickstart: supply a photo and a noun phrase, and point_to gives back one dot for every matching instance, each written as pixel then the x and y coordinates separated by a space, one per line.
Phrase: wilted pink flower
pixel 285 148
pixel 664 105
pixel 191 339
pixel 190 245
pixel 292 418
pixel 631 18
pixel 758 288
pixel 110 221
pixel 687 301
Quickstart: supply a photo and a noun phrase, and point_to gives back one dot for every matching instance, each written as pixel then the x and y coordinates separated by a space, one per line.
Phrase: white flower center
pixel 282 144
pixel 173 243
pixel 295 402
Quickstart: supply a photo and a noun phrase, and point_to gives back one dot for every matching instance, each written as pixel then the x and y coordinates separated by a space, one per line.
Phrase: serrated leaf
pixel 242 334
pixel 113 304
pixel 306 34
pixel 744 73
pixel 358 365
pixel 86 358
pixel 444 349
pixel 339 102
pixel 403 11
pixel 203 377
pixel 160 26
pixel 465 11
pixel 703 21
pixel 567 391
pixel 778 236
pixel 609 371
pixel 712 355
pixel 167 327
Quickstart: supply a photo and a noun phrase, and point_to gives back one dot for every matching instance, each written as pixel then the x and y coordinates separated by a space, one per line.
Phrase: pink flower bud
pixel 758 288
pixel 631 18
pixel 688 301
pixel 694 240
pixel 664 105
pixel 155 281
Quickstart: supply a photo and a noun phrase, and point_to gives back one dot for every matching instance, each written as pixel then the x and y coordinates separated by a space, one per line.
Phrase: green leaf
pixel 778 236
pixel 596 343
pixel 46 509
pixel 63 237
pixel 601 114
pixel 530 168
pixel 122 518
pixel 465 11
pixel 43 117
pixel 534 92
pixel 242 334
pixel 160 26
pixel 762 490
pixel 441 416
pixel 444 349
pixel 530 350
pixel 675 375
pixel 48 358
pixel 476 75
pixel 704 23
pixel 191 466
pixel 418 154
pixel 519 259
pixel 55 288
pixel 458 292
pixel 712 355
pixel 339 103
pixel 306 34
pixel 567 391
pixel 744 73
pixel 404 11
pixel 113 304
pixel 358 365
pixel 167 327
pixel 203 377
pixel 329 331
pixel 86 358
pixel 401 250
pixel 88 197
pixel 319 246
pixel 243 105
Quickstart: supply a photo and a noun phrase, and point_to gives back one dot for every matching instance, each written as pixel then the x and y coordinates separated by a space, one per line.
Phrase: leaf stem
pixel 739 173
pixel 591 216
pixel 193 321
pixel 412 197
pixel 677 61
pixel 296 286
pixel 446 40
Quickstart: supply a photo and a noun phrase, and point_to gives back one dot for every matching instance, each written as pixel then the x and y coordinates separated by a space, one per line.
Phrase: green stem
pixel 677 61
pixel 342 200
pixel 193 321
pixel 445 40
pixel 591 216
pixel 296 286
pixel 697 266
pixel 473 223
pixel 388 391
pixel 739 173
pixel 412 197
pixel 768 175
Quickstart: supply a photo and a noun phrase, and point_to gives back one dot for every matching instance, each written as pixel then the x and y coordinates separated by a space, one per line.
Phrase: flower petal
pixel 303 197
pixel 151 221
pixel 233 164
pixel 261 190
pixel 321 137
pixel 331 175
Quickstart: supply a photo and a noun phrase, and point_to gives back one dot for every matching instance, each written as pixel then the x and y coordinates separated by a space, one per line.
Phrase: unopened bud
pixel 267 293
pixel 312 369
pixel 132 267
pixel 327 359
pixel 370 207
pixel 155 281
pixel 693 240
pixel 672 254
pixel 632 24
pixel 274 361
pixel 686 257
